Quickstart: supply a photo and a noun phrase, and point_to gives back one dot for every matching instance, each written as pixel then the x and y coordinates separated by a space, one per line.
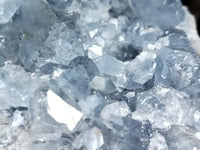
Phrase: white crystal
pixel 57 73
pixel 130 94
pixel 94 51
pixel 93 15
pixel 197 116
pixel 158 142
pixel 18 119
pixel 93 33
pixel 61 111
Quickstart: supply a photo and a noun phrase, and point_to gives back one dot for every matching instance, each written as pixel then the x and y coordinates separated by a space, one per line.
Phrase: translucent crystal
pixel 62 4
pixel 94 51
pixel 17 119
pixel 163 106
pixel 98 75
pixel 142 68
pixel 98 11
pixel 90 103
pixel 102 84
pixel 75 79
pixel 158 142
pixel 91 139
pixel 116 70
pixel 66 44
pixel 184 136
pixel 163 20
pixel 130 94
pixel 23 39
pixel 21 85
pixel 8 9
pixel 115 111
pixel 178 68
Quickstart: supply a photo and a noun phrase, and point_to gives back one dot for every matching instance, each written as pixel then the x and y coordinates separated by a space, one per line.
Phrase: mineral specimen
pixel 98 75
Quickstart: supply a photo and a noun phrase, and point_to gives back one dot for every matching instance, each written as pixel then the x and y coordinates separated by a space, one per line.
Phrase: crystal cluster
pixel 98 75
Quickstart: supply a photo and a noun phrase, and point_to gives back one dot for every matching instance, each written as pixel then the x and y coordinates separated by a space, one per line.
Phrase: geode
pixel 98 75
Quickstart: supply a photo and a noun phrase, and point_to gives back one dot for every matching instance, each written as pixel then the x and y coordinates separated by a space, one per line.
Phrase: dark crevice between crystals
pixel 127 53
pixel 149 84
pixel 123 9
pixel 194 8
pixel 67 18
pixel 11 110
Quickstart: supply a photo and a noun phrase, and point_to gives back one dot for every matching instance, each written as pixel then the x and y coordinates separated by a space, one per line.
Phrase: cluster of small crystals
pixel 97 75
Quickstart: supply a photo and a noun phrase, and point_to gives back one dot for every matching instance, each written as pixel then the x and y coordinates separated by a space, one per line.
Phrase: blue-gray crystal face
pixel 98 75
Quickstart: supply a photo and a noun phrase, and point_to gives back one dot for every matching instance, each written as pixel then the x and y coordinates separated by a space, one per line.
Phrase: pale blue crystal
pixel 98 75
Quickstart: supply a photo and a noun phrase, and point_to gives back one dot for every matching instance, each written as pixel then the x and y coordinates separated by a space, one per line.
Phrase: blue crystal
pixel 98 75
